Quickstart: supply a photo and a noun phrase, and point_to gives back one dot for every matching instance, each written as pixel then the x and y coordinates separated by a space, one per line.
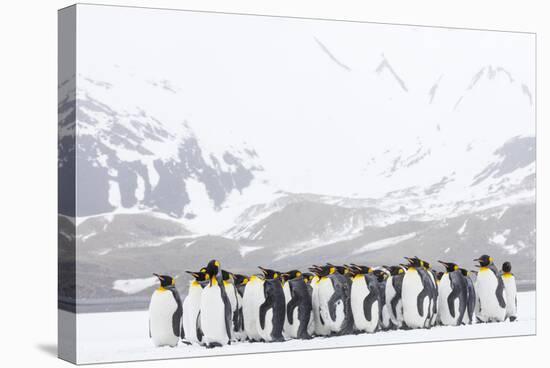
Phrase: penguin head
pixel 199 276
pixel 484 260
pixel 240 279
pixel 291 275
pixel 506 267
pixel 165 280
pixel 342 270
pixel 359 269
pixel 212 269
pixel 227 276
pixel 423 263
pixel 308 276
pixel 270 274
pixel 439 275
pixel 464 272
pixel 449 266
pixel 395 270
pixel 381 275
pixel 321 271
pixel 414 262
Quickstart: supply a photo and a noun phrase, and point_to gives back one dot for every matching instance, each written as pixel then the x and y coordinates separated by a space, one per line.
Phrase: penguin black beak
pixel 476 260
pixel 443 263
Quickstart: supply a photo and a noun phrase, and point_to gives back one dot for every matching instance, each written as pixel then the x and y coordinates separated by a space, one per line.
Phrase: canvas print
pixel 240 183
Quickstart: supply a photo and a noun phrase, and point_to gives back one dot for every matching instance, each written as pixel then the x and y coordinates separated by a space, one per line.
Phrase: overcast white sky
pixel 305 93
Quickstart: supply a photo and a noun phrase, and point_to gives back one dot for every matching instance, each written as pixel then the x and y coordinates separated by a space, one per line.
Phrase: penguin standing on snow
pixel 453 295
pixel 394 285
pixel 417 295
pixel 165 312
pixel 253 298
pixel 215 315
pixel 365 300
pixel 232 295
pixel 434 291
pixel 334 301
pixel 240 282
pixel 469 316
pixel 511 291
pixel 382 277
pixel 191 332
pixel 491 295
pixel 321 327
pixel 272 310
pixel 299 309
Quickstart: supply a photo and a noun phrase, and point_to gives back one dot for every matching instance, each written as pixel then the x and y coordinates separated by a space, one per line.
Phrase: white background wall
pixel 28 134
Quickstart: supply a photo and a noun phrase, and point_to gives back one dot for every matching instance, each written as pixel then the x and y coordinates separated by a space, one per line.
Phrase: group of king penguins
pixel 222 307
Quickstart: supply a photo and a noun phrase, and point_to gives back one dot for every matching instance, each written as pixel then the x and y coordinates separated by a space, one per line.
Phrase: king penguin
pixel 434 291
pixel 365 300
pixel 321 328
pixel 511 291
pixel 232 295
pixel 394 285
pixel 469 316
pixel 299 309
pixel 215 315
pixel 382 277
pixel 417 295
pixel 334 301
pixel 453 295
pixel 490 292
pixel 165 312
pixel 253 298
pixel 272 310
pixel 191 332
pixel 240 282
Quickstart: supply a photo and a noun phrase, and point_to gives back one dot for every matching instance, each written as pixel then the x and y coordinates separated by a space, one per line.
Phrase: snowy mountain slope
pixel 127 158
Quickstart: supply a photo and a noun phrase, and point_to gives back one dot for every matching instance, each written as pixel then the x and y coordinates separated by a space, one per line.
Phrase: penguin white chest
pixel 511 295
pixel 289 328
pixel 360 292
pixel 486 289
pixel 412 287
pixel 161 312
pixel 253 297
pixel 212 317
pixel 326 291
pixel 320 327
pixel 191 308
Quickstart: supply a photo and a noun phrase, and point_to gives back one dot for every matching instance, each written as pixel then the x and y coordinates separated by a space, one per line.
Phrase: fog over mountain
pixel 325 142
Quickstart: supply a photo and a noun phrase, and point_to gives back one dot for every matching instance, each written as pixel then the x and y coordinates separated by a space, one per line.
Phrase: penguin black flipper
pixel 176 317
pixel 199 329
pixel 500 286
pixel 500 293
pixel 471 298
pixel 367 304
pixel 290 309
pixel 397 286
pixel 428 291
pixel 266 305
pixel 420 301
pixel 227 310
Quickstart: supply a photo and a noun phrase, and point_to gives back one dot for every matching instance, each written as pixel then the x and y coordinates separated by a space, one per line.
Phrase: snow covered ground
pixel 124 336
